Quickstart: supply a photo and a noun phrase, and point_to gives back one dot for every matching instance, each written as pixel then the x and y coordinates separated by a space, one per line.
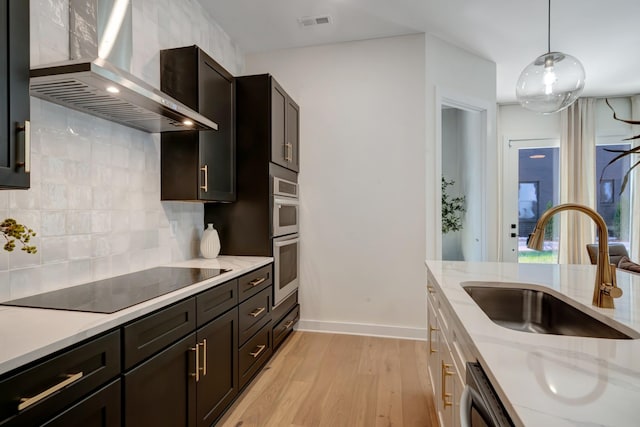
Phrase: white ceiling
pixel 603 34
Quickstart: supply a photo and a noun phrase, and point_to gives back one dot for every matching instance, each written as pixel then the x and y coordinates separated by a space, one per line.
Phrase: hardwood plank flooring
pixel 333 380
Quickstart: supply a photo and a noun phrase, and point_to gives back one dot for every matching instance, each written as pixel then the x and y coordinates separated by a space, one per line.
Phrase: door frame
pixel 489 166
pixel 509 188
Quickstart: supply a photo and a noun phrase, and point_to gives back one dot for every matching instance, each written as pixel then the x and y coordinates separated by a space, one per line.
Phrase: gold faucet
pixel 605 289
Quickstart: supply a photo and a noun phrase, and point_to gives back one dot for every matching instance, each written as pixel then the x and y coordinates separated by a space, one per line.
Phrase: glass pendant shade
pixel 551 83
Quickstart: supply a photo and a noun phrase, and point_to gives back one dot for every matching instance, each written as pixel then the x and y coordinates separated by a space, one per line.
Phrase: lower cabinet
pixel 218 379
pixel 100 409
pixel 447 360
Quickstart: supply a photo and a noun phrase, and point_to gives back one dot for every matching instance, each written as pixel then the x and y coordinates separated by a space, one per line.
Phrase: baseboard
pixel 367 329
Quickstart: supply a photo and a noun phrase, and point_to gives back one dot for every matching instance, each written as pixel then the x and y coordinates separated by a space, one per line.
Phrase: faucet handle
pixel 611 289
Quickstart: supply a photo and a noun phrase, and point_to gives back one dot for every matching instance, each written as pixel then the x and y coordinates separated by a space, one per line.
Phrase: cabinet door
pixel 434 365
pixel 14 94
pixel 293 136
pixel 217 148
pixel 162 390
pixel 218 383
pixel 279 149
pixel 100 409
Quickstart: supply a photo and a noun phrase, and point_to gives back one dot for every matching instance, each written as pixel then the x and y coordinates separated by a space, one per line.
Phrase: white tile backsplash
pixel 95 194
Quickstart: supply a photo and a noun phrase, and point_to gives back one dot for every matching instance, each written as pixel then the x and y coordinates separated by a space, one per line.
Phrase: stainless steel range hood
pixel 96 80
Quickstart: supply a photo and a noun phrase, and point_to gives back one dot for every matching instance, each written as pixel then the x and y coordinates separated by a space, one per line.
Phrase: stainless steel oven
pixel 285 207
pixel 286 274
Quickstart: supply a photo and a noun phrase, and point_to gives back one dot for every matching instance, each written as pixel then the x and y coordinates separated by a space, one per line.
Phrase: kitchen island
pixel 549 380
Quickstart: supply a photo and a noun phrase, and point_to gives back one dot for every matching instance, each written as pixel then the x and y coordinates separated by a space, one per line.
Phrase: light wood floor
pixel 339 380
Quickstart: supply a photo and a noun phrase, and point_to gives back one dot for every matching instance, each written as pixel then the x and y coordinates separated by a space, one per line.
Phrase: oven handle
pixel 286 202
pixel 286 242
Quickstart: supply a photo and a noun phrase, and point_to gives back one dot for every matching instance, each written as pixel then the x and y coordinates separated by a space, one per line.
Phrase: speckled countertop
pixel 26 334
pixel 549 380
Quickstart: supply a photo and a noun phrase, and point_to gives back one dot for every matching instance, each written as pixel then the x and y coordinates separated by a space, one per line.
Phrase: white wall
pixel 453 72
pixel 362 181
pixel 95 187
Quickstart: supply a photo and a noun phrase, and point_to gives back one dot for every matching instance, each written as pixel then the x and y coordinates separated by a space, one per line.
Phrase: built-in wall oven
pixel 286 240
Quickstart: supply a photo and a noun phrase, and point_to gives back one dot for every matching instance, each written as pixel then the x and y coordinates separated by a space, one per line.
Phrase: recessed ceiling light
pixel 187 122
pixel 113 89
pixel 308 21
pixel 537 156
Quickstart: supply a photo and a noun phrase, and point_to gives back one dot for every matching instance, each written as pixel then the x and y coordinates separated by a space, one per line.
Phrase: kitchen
pixel 89 227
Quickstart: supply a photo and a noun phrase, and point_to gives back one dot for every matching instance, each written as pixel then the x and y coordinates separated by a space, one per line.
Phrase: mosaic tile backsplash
pixel 95 185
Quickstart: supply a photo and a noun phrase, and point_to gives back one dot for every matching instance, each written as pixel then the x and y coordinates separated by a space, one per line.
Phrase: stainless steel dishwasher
pixel 479 405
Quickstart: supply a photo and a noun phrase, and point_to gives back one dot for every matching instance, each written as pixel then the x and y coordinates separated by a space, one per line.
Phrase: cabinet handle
pixel 431 330
pixel 196 349
pixel 25 402
pixel 205 187
pixel 431 290
pixel 204 357
pixel 288 324
pixel 444 374
pixel 256 282
pixel 257 312
pixel 26 129
pixel 290 145
pixel 257 352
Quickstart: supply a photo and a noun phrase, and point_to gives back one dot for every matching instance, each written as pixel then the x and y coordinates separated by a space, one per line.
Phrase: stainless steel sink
pixel 539 312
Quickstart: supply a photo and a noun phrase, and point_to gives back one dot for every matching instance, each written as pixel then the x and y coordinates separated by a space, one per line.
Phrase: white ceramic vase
pixel 210 242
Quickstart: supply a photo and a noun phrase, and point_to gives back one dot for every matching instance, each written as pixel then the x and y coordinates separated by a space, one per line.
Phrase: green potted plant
pixel 12 231
pixel 452 209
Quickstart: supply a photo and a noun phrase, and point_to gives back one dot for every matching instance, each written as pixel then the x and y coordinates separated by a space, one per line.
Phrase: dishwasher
pixel 479 404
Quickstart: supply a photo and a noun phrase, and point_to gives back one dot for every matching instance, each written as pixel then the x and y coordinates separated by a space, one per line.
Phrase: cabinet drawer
pixel 254 282
pixel 151 334
pixel 254 354
pixel 254 313
pixel 282 329
pixel 284 307
pixel 101 409
pixel 214 302
pixel 38 393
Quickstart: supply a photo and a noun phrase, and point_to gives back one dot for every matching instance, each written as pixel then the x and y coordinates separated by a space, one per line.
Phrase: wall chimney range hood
pixel 96 80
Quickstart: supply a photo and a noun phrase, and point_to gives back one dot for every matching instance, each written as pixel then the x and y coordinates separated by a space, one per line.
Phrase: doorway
pixel 531 185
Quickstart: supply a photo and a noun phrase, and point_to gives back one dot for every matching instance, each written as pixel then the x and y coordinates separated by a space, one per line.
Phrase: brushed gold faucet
pixel 605 289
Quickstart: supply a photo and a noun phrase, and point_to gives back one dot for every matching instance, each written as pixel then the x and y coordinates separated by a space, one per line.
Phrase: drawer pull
pixel 256 282
pixel 431 290
pixel 289 324
pixel 431 330
pixel 257 352
pixel 257 312
pixel 25 402
pixel 196 349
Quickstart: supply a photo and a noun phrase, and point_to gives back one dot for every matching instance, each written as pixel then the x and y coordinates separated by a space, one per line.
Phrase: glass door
pixel 531 185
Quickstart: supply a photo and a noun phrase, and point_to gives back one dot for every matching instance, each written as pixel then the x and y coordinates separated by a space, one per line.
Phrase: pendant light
pixel 552 82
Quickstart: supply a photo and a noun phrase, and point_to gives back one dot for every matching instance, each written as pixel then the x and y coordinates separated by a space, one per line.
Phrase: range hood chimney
pixel 97 79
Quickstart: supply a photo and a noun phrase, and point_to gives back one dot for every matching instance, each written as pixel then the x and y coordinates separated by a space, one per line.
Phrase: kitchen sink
pixel 539 312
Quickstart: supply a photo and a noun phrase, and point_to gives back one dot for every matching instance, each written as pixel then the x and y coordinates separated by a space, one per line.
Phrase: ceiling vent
pixel 309 21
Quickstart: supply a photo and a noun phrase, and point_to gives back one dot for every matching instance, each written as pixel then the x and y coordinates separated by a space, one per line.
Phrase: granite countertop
pixel 26 334
pixel 550 380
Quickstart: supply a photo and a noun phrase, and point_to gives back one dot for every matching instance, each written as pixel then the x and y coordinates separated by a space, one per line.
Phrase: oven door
pixel 286 254
pixel 285 216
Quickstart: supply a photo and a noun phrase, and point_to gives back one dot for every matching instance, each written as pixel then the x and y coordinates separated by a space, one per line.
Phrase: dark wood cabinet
pixel 100 409
pixel 285 117
pixel 218 382
pixel 162 390
pixel 14 95
pixel 199 165
pixel 262 98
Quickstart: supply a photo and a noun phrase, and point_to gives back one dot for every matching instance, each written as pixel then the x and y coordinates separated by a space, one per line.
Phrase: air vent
pixel 309 21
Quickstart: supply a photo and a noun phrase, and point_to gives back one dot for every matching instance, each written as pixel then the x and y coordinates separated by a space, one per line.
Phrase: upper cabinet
pixel 199 166
pixel 14 94
pixel 263 99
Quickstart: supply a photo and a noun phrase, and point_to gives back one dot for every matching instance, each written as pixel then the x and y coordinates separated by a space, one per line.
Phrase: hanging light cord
pixel 549 28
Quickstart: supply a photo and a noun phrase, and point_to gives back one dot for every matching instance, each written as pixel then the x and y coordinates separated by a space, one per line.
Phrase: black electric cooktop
pixel 117 293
